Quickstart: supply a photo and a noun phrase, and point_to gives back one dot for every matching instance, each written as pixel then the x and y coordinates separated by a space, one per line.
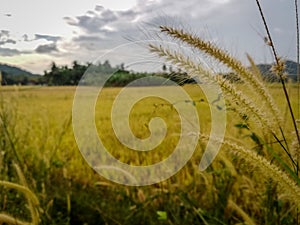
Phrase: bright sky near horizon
pixel 34 33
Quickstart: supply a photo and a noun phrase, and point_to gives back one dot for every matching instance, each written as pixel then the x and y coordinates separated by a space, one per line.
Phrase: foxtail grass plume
pixel 222 56
pixel 187 64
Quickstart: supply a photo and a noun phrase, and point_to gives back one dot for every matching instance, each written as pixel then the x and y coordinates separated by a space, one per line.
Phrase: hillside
pixel 291 70
pixel 15 75
pixel 14 71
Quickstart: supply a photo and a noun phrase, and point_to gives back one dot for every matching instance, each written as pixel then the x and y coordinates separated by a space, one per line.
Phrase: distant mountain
pixel 16 75
pixel 14 71
pixel 291 70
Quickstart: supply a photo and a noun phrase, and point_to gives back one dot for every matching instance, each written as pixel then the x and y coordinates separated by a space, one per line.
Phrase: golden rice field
pixel 37 137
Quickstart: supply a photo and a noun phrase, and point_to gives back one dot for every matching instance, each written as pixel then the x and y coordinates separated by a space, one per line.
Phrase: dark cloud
pixel 88 38
pixel 7 41
pixel 90 12
pixel 101 29
pixel 128 15
pixel 50 38
pixel 47 37
pixel 92 23
pixel 5 38
pixel 4 33
pixel 11 52
pixel 45 49
pixel 88 42
pixel 108 16
pixel 25 37
pixel 97 21
pixel 71 21
pixel 99 8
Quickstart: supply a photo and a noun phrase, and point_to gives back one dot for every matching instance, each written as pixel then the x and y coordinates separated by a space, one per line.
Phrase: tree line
pixel 119 76
pixel 72 75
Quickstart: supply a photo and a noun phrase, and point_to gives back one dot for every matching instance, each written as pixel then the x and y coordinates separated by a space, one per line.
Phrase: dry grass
pixel 54 168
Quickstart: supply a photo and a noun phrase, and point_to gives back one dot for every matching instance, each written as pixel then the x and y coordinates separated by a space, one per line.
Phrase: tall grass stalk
pixel 7 219
pixel 297 54
pixel 283 171
pixel 232 205
pixel 279 69
pixel 256 84
pixel 32 200
pixel 197 70
pixel 225 58
pixel 264 167
pixel 245 74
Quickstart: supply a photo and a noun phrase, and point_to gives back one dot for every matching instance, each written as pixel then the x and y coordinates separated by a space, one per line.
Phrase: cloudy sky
pixel 33 33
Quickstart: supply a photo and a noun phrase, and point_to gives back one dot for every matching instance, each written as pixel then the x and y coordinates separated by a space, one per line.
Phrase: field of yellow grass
pixel 37 136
